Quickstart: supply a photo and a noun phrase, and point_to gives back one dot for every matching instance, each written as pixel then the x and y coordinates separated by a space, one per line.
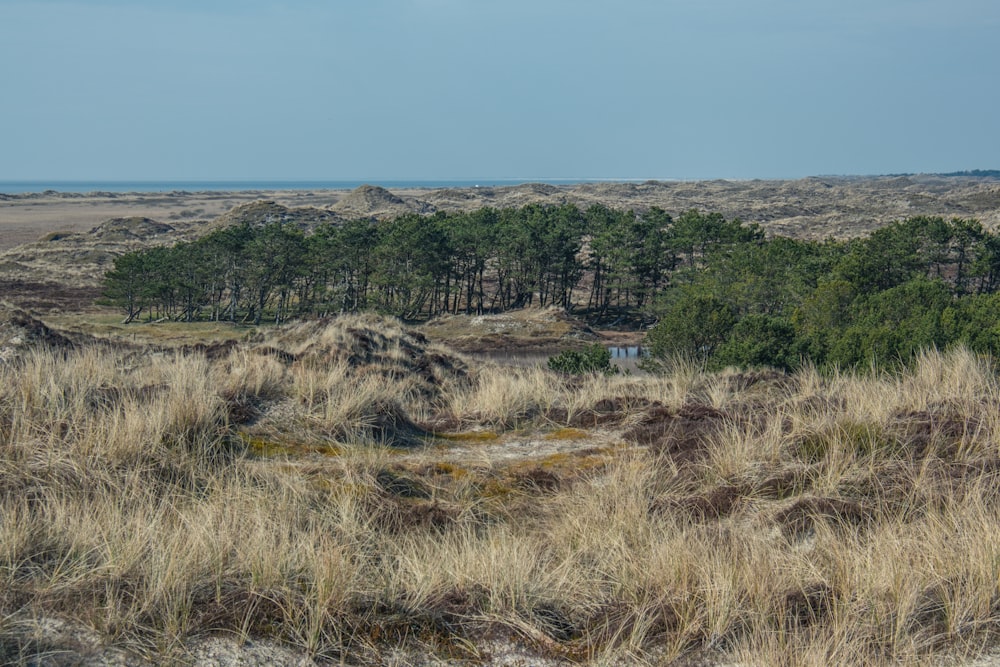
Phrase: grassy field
pixel 347 488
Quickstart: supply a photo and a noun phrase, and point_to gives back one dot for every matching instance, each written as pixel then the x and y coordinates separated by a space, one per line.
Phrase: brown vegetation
pixel 350 490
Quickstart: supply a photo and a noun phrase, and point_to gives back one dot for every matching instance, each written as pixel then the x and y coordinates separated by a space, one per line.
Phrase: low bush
pixel 592 359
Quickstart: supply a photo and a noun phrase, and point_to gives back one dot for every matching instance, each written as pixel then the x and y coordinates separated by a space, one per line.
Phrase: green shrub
pixel 693 326
pixel 592 359
pixel 760 340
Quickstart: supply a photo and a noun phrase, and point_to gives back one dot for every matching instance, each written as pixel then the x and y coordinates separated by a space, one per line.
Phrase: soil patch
pixel 681 435
pixel 20 331
pixel 41 297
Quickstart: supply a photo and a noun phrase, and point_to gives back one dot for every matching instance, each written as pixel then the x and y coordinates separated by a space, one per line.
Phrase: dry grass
pixel 106 323
pixel 747 519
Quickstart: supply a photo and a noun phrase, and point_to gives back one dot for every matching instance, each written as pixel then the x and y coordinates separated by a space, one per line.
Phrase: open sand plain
pixel 27 217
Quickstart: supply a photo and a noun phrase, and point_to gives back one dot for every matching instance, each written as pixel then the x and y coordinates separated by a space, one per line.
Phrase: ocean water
pixel 21 187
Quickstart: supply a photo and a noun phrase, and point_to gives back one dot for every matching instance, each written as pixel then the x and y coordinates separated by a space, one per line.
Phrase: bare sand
pixel 26 218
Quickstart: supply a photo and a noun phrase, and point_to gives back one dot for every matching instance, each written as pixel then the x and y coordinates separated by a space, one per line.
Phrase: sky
pixel 518 89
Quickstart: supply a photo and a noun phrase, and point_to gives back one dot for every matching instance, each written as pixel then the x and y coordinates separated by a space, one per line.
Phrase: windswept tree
pixel 128 283
pixel 472 238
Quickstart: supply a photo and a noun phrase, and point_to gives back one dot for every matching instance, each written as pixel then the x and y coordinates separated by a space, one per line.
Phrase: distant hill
pixel 815 207
pixel 976 173
pixel 262 212
pixel 373 201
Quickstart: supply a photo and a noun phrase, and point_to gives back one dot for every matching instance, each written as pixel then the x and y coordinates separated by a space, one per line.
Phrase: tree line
pixel 718 290
pixel 920 283
pixel 416 267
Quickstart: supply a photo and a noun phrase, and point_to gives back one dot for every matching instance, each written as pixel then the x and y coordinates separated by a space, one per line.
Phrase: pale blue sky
pixel 465 89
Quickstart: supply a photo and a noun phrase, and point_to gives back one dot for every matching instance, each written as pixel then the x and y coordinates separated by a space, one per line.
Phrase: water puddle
pixel 626 357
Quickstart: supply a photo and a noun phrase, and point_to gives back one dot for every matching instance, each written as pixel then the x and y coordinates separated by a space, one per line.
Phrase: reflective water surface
pixel 625 357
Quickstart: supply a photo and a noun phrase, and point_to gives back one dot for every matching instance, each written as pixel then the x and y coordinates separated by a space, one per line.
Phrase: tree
pixel 693 325
pixel 760 340
pixel 625 257
pixel 273 258
pixel 694 233
pixel 822 317
pixel 127 284
pixel 893 325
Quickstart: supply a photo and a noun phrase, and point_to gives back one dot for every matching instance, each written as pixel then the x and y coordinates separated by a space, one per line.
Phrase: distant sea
pixel 19 187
